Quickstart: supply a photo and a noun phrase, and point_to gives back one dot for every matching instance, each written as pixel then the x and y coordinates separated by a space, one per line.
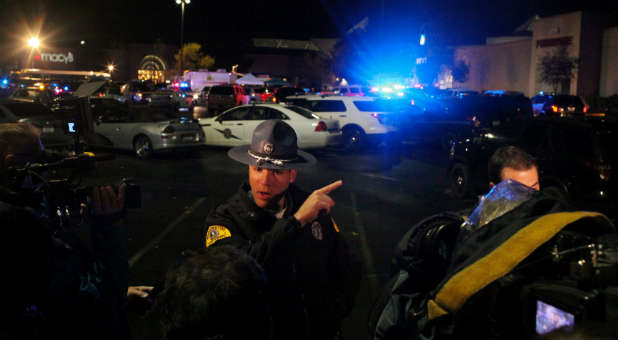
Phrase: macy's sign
pixel 55 57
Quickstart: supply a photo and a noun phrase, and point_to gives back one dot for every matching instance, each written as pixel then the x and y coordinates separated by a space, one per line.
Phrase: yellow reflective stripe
pixel 334 224
pixel 216 233
pixel 499 262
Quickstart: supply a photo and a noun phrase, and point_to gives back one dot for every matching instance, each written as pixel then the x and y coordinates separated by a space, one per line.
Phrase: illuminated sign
pixel 55 57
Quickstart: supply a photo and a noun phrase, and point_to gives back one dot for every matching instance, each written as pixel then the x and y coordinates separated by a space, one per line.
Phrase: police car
pixel 235 126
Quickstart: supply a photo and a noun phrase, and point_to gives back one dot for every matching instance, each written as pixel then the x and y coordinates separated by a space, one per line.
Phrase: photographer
pixel 61 280
pixel 494 274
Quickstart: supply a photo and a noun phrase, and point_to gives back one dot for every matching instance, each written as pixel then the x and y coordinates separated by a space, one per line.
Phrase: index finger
pixel 331 187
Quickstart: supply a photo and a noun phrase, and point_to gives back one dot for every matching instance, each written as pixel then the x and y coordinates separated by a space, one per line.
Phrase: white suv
pixel 360 118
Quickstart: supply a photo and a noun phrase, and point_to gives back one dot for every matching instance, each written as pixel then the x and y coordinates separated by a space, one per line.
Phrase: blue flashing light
pixel 184 84
pixel 387 89
pixel 400 94
pixel 5 81
pixel 66 88
pixel 422 40
pixel 541 93
pixel 21 85
pixel 54 84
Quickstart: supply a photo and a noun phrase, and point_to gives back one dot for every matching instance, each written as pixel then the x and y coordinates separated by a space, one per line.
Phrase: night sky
pixel 221 25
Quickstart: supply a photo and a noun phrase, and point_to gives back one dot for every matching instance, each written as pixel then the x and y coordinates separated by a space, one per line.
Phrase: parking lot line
pixel 366 252
pixel 135 258
pixel 392 179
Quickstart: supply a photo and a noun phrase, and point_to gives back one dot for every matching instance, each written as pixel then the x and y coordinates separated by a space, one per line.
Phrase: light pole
pixel 182 28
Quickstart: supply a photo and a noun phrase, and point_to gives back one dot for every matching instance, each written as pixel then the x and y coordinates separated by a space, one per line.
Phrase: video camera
pixel 53 184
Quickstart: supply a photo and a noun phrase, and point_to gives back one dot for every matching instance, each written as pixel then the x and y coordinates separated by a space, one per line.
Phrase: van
pixel 223 97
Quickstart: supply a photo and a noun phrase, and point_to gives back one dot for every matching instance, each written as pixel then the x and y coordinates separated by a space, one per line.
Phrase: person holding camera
pixel 489 274
pixel 61 280
pixel 312 275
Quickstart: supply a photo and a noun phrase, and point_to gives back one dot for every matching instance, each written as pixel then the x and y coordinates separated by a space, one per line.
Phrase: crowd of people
pixel 274 263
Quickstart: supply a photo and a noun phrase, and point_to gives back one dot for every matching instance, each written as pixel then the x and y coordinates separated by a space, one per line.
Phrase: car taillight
pixel 169 129
pixel 554 108
pixel 321 127
pixel 378 116
pixel 412 102
pixel 585 109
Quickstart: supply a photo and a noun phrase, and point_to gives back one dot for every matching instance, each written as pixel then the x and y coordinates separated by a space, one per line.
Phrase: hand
pixel 105 200
pixel 316 202
pixel 139 291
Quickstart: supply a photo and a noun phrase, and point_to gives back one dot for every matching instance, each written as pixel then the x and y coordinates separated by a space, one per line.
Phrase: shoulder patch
pixel 216 233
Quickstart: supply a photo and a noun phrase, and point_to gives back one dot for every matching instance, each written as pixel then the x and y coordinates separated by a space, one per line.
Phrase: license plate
pixel 187 138
pixel 571 108
pixel 48 129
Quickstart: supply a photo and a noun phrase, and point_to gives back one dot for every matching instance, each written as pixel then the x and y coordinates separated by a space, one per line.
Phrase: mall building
pixel 512 62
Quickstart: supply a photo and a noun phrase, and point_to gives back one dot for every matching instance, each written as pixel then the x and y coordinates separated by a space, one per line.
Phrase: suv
pixel 223 97
pixel 576 162
pixel 559 104
pixel 362 120
pixel 350 90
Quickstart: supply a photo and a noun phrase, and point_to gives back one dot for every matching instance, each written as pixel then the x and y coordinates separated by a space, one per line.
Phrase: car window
pixel 326 106
pixel 303 112
pixel 104 107
pixel 241 113
pixel 115 116
pixel 146 115
pixel 222 90
pixel 567 101
pixel 28 109
pixel 265 113
pixel 369 106
pixel 354 90
pixel 302 102
pixel 343 90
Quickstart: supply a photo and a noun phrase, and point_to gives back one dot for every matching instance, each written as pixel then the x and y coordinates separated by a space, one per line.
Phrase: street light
pixel 182 26
pixel 33 43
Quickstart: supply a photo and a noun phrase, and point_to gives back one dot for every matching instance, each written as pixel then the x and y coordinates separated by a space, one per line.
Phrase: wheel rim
pixel 352 138
pixel 142 147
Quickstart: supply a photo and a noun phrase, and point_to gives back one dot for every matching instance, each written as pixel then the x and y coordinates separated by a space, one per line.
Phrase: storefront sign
pixel 54 58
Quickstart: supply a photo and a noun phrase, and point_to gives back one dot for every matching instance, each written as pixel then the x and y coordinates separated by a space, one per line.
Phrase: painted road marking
pixel 135 258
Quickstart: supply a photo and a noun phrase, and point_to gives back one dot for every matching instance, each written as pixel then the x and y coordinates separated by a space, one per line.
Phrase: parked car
pixel 362 121
pixel 53 125
pixel 459 114
pixel 223 97
pixel 202 97
pixel 575 156
pixel 33 94
pixel 350 90
pixel 558 105
pixel 260 94
pixel 283 92
pixel 99 88
pixel 144 129
pixel 235 126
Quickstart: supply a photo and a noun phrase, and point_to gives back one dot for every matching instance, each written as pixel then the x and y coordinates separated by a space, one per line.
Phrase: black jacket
pixel 313 276
pixel 56 291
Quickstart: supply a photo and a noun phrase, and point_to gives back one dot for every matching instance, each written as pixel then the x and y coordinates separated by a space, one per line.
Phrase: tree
pixel 460 71
pixel 558 69
pixel 193 57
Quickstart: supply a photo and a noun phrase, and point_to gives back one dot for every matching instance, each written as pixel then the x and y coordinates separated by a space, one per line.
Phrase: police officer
pixel 313 277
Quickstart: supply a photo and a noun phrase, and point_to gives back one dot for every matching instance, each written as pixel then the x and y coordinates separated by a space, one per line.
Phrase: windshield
pixel 153 115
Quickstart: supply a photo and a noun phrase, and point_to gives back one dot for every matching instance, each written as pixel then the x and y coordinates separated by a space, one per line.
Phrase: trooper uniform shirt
pixel 312 275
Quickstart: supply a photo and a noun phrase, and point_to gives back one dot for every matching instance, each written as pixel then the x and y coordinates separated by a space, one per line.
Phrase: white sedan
pixel 235 126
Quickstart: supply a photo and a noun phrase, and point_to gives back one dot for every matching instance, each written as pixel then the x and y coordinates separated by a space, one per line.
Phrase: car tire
pixel 459 180
pixel 354 138
pixel 142 146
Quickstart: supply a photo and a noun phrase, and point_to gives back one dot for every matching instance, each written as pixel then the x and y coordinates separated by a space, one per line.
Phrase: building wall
pixel 502 66
pixel 548 34
pixel 609 63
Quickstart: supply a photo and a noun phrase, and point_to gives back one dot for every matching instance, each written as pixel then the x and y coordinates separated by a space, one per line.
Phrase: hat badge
pixel 268 148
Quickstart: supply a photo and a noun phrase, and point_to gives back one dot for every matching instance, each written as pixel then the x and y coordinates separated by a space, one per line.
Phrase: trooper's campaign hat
pixel 273 146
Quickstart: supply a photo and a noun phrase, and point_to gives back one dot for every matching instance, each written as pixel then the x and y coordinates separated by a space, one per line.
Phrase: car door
pixel 111 122
pixel 229 129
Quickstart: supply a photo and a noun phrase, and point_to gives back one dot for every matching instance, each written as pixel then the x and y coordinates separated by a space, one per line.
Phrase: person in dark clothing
pixel 56 284
pixel 206 293
pixel 313 277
